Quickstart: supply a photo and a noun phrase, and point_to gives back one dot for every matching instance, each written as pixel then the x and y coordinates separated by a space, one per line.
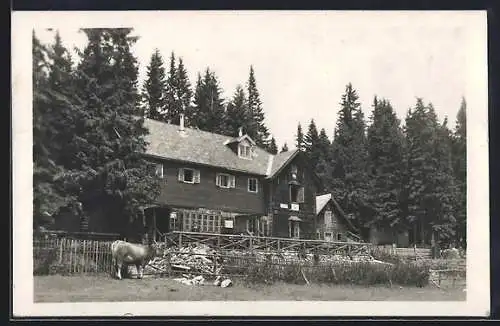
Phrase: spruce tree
pixel 209 112
pixel 48 194
pixel 153 93
pixel 312 145
pixel 172 105
pixel 237 114
pixel 350 181
pixel 256 129
pixel 272 147
pixel 386 151
pixel 299 138
pixel 445 191
pixel 459 158
pixel 183 91
pixel 284 148
pixel 430 190
pixel 324 165
pixel 108 143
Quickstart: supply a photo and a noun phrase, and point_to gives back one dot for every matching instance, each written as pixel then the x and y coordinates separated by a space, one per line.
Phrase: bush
pixel 359 273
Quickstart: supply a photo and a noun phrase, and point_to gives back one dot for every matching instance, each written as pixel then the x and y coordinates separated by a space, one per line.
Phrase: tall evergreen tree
pixel 350 182
pixel 272 147
pixel 312 145
pixel 209 112
pixel 237 114
pixel 299 138
pixel 386 151
pixel 284 148
pixel 109 134
pixel 459 155
pixel 153 93
pixel 256 129
pixel 324 165
pixel 172 105
pixel 430 187
pixel 48 194
pixel 445 191
pixel 183 91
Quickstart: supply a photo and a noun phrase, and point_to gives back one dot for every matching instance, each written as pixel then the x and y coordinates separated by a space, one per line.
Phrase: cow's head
pixel 155 249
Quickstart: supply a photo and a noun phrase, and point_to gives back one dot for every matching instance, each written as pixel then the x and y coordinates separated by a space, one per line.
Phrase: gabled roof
pixel 323 200
pixel 201 147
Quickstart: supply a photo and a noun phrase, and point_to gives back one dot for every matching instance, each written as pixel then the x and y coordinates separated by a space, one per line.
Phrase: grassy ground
pixel 102 288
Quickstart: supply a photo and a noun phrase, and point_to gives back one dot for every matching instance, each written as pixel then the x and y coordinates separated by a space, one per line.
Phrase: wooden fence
pixel 246 242
pixel 69 256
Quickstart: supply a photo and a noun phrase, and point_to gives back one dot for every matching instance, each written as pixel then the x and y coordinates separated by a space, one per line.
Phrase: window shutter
pixel 217 179
pixel 301 195
pixel 232 181
pixel 180 175
pixel 196 176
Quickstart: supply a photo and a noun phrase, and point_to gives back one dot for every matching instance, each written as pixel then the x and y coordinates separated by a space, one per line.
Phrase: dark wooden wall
pixel 206 194
pixel 280 194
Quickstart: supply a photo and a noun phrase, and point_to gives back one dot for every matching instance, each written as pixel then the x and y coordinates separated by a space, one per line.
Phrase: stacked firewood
pixel 193 259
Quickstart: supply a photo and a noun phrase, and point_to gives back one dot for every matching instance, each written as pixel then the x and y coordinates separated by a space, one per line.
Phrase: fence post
pixel 180 239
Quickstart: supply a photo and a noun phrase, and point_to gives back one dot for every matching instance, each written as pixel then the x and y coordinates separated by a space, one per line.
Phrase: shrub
pixel 357 273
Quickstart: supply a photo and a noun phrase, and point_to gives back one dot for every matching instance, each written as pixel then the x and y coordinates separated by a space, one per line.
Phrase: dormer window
pixel 244 151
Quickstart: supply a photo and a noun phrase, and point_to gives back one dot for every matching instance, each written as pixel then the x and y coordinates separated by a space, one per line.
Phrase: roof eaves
pixel 202 164
pixel 269 165
pixel 284 164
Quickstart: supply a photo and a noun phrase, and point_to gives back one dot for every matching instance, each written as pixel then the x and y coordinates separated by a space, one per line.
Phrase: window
pixel 339 236
pixel 296 194
pixel 244 151
pixel 251 226
pixel 189 175
pixel 159 170
pixel 293 169
pixel 225 180
pixel 294 229
pixel 253 185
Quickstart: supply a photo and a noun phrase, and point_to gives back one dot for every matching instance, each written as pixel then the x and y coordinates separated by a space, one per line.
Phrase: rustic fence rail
pixel 69 256
pixel 63 255
pixel 247 242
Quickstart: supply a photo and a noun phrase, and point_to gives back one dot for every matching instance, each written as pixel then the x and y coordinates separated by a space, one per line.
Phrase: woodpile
pixel 200 259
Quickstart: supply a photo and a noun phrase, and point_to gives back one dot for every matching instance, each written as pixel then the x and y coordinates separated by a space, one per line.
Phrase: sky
pixel 303 60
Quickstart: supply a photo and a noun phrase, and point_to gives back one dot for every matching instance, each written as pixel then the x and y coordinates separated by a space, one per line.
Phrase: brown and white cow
pixel 126 253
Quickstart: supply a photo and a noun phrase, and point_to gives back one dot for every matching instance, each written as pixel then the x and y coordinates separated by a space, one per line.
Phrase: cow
pixel 126 253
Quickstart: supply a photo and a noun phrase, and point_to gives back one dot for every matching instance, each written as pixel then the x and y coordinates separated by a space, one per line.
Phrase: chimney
pixel 181 122
pixel 240 131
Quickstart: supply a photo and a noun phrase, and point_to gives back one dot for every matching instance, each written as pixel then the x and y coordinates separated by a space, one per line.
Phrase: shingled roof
pixel 165 141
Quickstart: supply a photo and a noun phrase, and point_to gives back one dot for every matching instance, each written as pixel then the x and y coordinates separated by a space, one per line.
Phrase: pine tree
pixel 430 187
pixel 48 194
pixel 272 147
pixel 299 138
pixel 172 104
pixel 256 129
pixel 208 113
pixel 386 151
pixel 109 136
pixel 237 114
pixel 184 93
pixel 324 165
pixel 284 148
pixel 459 158
pixel 350 181
pixel 445 190
pixel 153 93
pixel 312 146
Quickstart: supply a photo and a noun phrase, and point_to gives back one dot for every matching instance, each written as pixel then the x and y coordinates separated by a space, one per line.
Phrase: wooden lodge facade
pixel 332 224
pixel 219 184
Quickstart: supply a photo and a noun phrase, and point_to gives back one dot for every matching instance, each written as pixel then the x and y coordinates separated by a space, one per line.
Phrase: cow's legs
pixel 119 270
pixel 139 271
